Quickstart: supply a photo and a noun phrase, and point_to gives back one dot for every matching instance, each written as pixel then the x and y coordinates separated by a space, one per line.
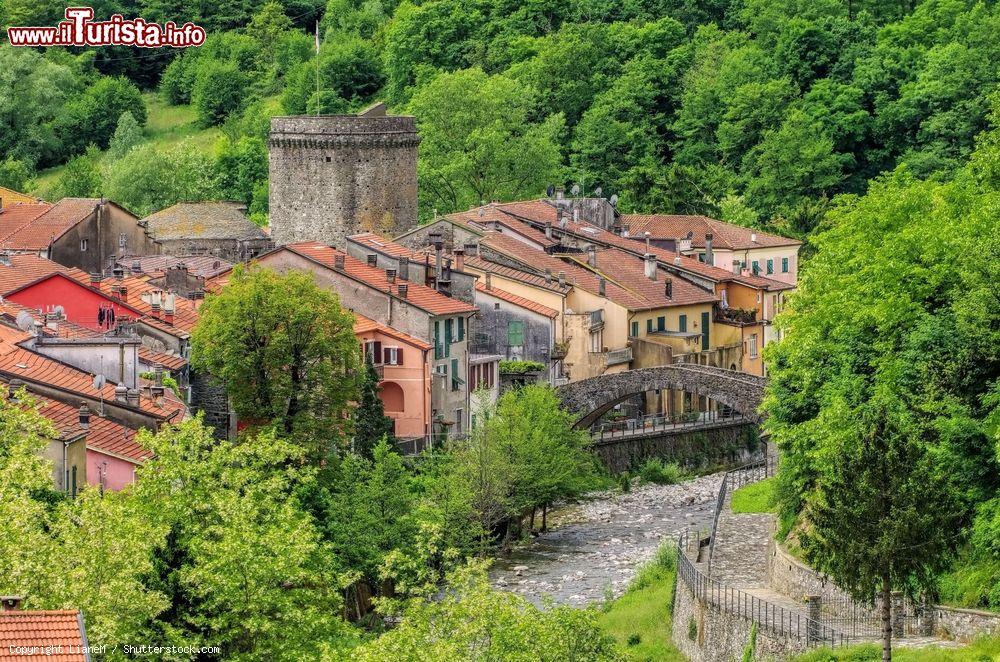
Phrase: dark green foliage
pixel 14 174
pixel 91 118
pixel 655 470
pixel 371 425
pixel 218 91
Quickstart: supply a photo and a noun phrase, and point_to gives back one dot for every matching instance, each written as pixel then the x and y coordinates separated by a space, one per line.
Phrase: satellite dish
pixel 99 382
pixel 58 310
pixel 550 191
pixel 598 191
pixel 575 190
pixel 25 321
pixel 614 200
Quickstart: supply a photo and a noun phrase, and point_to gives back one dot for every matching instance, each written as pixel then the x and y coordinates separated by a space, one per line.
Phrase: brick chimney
pixel 84 416
pixel 649 262
pixel 95 280
pixel 169 302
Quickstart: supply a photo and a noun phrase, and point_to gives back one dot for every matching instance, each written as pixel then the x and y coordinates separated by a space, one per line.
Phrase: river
pixel 601 541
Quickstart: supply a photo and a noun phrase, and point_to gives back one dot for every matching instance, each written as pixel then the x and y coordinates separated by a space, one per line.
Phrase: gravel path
pixel 601 542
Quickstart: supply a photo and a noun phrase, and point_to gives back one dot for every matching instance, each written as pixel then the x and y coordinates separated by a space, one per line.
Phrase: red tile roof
pixel 364 324
pixel 510 297
pixel 493 215
pixel 42 630
pixel 526 277
pixel 724 235
pixel 30 367
pixel 54 223
pixel 103 435
pixel 17 216
pixel 185 312
pixel 27 269
pixel 386 246
pixel 418 294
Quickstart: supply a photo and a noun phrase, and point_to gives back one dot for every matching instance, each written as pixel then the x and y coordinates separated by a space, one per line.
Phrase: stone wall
pixel 789 576
pixel 334 176
pixel 724 444
pixel 707 634
pixel 964 624
pixel 211 398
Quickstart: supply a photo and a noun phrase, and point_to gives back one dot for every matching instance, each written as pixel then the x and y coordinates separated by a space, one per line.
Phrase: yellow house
pixel 10 197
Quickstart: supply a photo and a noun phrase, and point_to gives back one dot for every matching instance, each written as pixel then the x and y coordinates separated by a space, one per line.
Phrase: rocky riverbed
pixel 596 546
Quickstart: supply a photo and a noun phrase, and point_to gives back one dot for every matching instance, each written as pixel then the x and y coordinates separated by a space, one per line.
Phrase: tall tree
pixel 371 425
pixel 285 351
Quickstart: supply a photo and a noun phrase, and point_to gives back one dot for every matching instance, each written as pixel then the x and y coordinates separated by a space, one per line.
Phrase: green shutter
pixel 770 266
pixel 661 323
pixel 461 329
pixel 784 265
pixel 635 329
pixel 705 325
pixel 649 325
pixel 455 380
pixel 682 323
pixel 437 339
pixel 515 333
pixel 756 267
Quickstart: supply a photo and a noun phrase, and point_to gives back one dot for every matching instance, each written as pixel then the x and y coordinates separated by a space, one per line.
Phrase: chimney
pixel 10 602
pixel 668 288
pixel 472 250
pixel 562 278
pixel 548 229
pixel 169 299
pixel 709 257
pixel 489 281
pixel 592 256
pixel 338 262
pixel 403 290
pixel 158 374
pixel 650 264
pixel 132 395
pixel 548 276
pixel 4 259
pixel 390 275
pixel 136 267
pixel 118 272
pixel 95 280
pixel 561 218
pixel 438 245
pixel 84 416
pixel 39 331
pixel 736 267
pixel 372 260
pixel 560 192
pixel 156 394
pixel 677 260
pixel 123 292
pixel 404 268
pixel 576 214
pixel 121 394
pixel 647 235
pixel 460 259
pixel 601 286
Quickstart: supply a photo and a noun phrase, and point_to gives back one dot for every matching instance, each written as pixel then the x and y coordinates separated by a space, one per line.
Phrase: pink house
pixel 404 366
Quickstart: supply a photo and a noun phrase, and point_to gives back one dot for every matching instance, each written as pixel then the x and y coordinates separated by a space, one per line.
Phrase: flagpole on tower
pixel 319 101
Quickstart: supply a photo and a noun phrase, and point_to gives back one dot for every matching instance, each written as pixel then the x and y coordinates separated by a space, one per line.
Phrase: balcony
pixel 617 356
pixel 735 315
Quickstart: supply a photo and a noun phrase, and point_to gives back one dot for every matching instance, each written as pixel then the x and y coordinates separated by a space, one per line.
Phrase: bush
pixel 14 174
pixel 178 79
pixel 624 482
pixel 657 471
pixel 520 367
pixel 91 118
pixel 219 89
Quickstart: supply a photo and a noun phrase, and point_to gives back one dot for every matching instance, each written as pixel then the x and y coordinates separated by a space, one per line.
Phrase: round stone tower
pixel 334 176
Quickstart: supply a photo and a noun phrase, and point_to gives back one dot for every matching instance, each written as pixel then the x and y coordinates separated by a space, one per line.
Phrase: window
pixel 649 325
pixel 752 345
pixel 373 351
pixel 83 245
pixel 496 306
pixel 515 333
pixel 392 356
pixel 461 329
pixel 635 330
pixel 597 341
pixel 459 415
pixel 72 488
pixel 449 332
pixel 455 379
pixel 756 267
pixel 437 340
pixel 770 266
pixel 661 323
pixel 706 341
pixel 784 265
pixel 682 323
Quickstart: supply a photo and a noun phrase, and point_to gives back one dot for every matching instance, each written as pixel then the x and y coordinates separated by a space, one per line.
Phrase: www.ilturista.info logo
pixel 79 29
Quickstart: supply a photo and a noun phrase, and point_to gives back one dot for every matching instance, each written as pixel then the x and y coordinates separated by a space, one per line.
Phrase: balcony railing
pixel 735 315
pixel 616 356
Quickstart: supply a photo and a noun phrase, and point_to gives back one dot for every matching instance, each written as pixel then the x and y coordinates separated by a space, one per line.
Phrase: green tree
pixel 152 177
pixel 371 425
pixel 285 351
pixel 92 117
pixel 480 141
pixel 219 90
pixel 14 174
pixel 80 178
pixel 242 167
pixel 127 135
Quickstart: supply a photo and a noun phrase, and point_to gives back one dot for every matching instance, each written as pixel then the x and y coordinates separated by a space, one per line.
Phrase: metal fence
pixel 659 422
pixel 771 618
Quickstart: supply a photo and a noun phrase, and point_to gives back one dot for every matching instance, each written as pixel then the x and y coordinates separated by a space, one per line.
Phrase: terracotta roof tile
pixel 26 269
pixel 185 312
pixel 418 294
pixel 724 235
pixel 364 324
pixel 386 246
pixel 51 225
pixel 44 631
pixel 18 216
pixel 523 302
pixel 526 277
pixel 103 435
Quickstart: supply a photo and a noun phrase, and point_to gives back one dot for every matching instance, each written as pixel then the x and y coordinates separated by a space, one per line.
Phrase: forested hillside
pixel 756 111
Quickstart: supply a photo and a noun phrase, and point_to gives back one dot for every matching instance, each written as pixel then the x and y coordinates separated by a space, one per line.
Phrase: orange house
pixel 403 363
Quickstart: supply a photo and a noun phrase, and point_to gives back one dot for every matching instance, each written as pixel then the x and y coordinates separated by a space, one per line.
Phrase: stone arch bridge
pixel 591 398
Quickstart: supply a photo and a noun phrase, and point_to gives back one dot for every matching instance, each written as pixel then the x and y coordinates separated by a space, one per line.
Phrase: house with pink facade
pixel 403 363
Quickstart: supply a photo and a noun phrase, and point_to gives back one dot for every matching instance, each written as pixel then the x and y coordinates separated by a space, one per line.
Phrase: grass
pixel 755 498
pixel 640 620
pixel 983 650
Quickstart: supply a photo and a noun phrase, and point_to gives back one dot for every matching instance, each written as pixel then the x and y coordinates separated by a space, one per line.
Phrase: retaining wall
pixel 704 448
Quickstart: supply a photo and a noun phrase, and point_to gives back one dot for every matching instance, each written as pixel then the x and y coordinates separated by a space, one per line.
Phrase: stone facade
pixel 591 398
pixel 335 176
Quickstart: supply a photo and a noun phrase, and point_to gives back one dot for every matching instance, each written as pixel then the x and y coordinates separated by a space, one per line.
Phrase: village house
pixel 405 305
pixel 54 634
pixel 218 229
pixel 83 233
pixel 10 197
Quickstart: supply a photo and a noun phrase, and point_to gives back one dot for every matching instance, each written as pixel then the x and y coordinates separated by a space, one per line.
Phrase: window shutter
pixel 377 352
pixel 649 325
pixel 399 356
pixel 437 339
pixel 386 356
pixel 461 329
pixel 682 323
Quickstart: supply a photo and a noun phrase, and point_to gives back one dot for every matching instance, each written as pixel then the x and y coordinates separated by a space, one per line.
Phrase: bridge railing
pixel 660 422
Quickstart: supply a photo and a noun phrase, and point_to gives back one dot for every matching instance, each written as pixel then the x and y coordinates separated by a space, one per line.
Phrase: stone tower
pixel 337 175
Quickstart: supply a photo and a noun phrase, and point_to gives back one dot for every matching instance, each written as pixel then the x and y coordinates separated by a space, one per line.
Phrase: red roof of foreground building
pixel 364 324
pixel 103 435
pixel 520 301
pixel 18 216
pixel 42 230
pixel 418 294
pixel 61 633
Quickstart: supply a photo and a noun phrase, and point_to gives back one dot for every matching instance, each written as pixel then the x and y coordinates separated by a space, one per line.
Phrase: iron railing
pixel 770 617
pixel 656 423
pixel 749 473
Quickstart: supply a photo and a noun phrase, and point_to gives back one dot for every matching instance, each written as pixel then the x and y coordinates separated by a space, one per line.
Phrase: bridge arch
pixel 590 398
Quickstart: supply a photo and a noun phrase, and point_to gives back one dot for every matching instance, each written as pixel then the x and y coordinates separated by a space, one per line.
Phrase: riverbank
pixel 596 546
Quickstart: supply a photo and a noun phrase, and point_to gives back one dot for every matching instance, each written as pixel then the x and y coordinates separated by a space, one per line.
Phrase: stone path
pixel 740 552
pixel 597 546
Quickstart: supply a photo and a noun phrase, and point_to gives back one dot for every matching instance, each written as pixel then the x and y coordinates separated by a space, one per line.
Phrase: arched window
pixel 392 396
